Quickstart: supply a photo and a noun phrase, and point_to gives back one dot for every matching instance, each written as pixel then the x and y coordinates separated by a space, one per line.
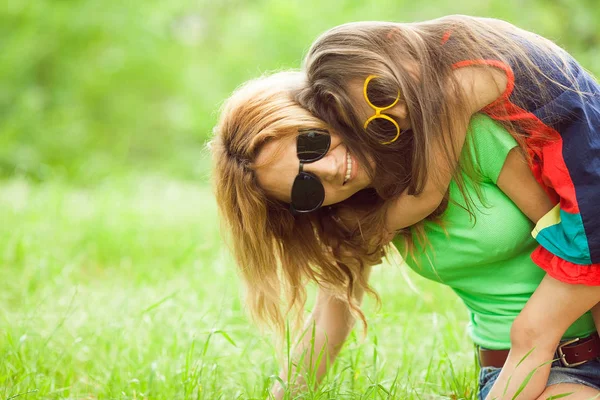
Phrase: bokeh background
pixel 92 88
pixel 114 280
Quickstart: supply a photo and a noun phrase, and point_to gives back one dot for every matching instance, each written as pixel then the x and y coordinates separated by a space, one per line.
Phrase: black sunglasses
pixel 308 193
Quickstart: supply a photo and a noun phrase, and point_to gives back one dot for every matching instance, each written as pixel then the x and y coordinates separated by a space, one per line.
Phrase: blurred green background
pixel 92 88
pixel 115 283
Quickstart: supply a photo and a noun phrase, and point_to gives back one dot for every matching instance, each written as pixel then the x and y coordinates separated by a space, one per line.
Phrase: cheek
pixel 333 196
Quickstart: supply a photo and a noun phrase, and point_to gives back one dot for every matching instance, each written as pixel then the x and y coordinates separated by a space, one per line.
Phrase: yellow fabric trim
pixel 551 218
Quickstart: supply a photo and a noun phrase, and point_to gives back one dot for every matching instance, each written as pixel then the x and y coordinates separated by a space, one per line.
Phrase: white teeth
pixel 348 167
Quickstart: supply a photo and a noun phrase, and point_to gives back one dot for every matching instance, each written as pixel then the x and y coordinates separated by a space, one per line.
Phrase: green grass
pixel 124 291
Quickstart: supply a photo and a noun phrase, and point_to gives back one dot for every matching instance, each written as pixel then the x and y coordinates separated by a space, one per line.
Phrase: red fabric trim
pixel 392 32
pixel 446 36
pixel 566 271
pixel 543 144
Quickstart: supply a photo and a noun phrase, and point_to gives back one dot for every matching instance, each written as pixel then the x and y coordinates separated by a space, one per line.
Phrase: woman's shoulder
pixel 483 128
pixel 489 144
pixel 481 121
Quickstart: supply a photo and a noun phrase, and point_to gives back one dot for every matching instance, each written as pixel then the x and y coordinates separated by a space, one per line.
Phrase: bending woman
pixel 272 159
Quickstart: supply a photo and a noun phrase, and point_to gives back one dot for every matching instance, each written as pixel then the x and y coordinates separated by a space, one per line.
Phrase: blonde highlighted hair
pixel 276 252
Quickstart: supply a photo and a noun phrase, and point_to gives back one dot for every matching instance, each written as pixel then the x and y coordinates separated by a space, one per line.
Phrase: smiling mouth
pixel 348 167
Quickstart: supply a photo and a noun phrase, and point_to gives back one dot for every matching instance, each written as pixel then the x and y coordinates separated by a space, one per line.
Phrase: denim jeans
pixel 587 374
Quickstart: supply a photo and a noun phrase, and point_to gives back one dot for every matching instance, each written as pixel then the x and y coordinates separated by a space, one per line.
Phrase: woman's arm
pixel 481 86
pixel 332 320
pixel 552 308
pixel 536 333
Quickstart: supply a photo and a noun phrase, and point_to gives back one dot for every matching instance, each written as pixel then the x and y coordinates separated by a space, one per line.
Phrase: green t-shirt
pixel 486 261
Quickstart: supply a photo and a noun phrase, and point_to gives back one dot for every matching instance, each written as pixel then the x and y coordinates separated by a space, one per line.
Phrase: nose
pixel 400 113
pixel 327 169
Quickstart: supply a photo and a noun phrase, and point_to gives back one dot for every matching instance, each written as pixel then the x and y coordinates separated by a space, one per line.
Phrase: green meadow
pixel 125 291
pixel 114 280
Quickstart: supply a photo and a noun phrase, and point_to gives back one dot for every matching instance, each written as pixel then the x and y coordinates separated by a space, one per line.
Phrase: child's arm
pixel 517 182
pixel 481 87
pixel 551 309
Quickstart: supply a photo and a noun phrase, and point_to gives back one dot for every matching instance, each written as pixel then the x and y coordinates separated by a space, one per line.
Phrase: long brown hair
pixel 276 252
pixel 416 60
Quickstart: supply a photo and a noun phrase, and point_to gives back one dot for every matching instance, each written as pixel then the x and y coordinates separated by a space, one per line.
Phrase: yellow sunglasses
pixel 379 110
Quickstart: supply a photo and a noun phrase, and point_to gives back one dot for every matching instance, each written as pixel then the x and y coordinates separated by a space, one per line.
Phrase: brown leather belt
pixel 570 353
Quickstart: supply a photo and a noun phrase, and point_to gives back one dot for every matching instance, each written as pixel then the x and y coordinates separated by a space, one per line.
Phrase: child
pixel 375 81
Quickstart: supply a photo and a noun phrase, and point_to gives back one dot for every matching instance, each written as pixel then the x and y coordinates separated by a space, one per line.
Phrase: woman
pixel 272 159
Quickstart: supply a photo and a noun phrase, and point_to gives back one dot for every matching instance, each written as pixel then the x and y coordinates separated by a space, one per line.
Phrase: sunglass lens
pixel 382 129
pixel 312 145
pixel 381 94
pixel 307 193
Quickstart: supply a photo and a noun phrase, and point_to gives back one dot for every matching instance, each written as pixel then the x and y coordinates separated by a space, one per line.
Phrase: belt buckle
pixel 563 358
